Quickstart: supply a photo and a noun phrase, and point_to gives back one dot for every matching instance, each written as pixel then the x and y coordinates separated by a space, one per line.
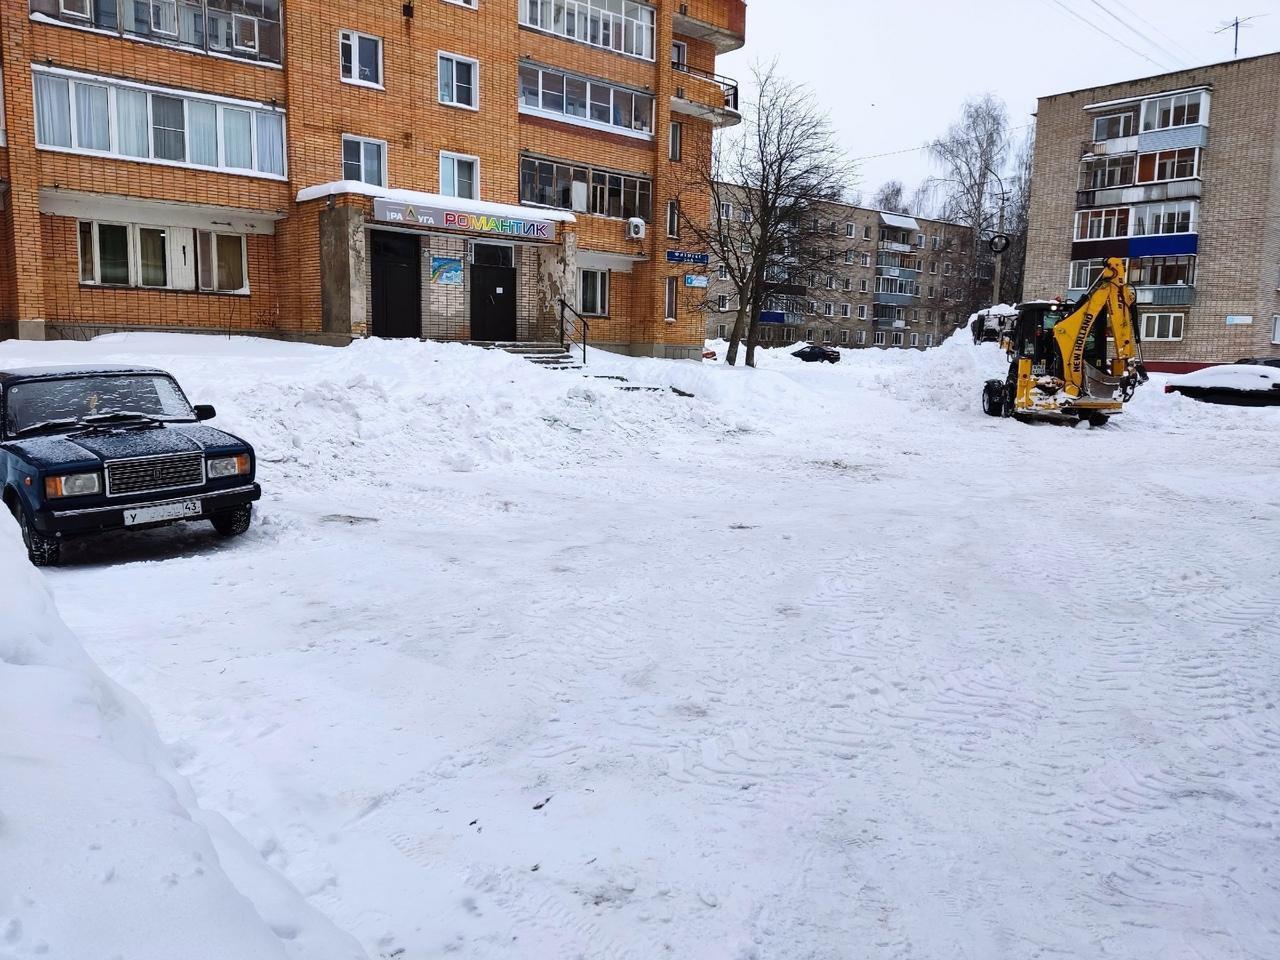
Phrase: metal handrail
pixel 727 84
pixel 567 336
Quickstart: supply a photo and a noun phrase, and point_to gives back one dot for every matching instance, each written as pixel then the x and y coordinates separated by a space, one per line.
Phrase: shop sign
pixel 446 271
pixel 418 215
pixel 697 280
pixel 684 256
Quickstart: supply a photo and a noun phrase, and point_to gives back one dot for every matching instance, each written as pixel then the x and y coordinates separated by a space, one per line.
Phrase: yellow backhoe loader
pixel 1071 362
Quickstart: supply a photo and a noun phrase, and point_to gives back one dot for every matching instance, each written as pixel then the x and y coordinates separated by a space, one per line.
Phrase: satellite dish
pixel 1000 243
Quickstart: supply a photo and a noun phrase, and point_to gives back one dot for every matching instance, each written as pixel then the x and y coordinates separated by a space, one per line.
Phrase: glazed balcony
pixel 707 96
pixel 721 23
pixel 1142 193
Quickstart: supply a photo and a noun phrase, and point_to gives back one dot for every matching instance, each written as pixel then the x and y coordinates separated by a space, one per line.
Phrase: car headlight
pixel 229 466
pixel 72 485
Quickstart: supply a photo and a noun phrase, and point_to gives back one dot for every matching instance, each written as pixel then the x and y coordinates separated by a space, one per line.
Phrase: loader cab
pixel 1032 338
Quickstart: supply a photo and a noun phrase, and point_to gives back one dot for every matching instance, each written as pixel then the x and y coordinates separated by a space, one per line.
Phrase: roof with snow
pixel 501 211
pixel 899 221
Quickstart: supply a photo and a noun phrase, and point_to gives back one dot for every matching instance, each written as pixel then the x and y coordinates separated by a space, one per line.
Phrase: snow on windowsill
pixel 507 211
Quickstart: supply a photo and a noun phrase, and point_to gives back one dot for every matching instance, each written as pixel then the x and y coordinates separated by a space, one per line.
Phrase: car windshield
pixel 73 401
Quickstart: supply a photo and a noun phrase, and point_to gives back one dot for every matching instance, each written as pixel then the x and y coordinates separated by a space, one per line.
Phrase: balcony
pixel 706 96
pixel 222 28
pixel 895 299
pixel 1141 193
pixel 906 273
pixel 1180 295
pixel 894 247
pixel 721 23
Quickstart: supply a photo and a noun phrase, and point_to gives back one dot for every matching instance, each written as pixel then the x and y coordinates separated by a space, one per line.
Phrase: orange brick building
pixel 329 169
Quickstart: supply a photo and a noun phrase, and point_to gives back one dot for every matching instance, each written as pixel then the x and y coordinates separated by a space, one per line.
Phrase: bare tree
pixel 924 200
pixel 972 154
pixel 768 185
pixel 1017 221
pixel 889 197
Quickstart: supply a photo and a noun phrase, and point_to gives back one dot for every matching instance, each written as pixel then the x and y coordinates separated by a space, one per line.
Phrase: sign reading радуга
pixel 417 215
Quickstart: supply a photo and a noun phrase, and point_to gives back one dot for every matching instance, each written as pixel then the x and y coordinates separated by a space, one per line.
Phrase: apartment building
pixel 1176 174
pixel 892 280
pixel 330 169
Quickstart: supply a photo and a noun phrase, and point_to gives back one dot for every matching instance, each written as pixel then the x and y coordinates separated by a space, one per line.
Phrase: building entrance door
pixel 396 277
pixel 493 292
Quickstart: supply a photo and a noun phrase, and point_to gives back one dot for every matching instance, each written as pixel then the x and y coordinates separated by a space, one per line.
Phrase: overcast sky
pixel 894 74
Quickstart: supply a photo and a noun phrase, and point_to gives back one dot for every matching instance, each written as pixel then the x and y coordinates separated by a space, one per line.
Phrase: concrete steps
pixel 547 354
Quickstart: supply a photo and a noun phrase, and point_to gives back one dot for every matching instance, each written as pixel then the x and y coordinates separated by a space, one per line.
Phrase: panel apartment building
pixel 1177 174
pixel 896 281
pixel 331 169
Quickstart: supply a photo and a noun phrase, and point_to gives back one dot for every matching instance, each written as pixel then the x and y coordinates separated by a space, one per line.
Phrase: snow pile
pixel 105 852
pixel 948 377
pixel 994 312
pixel 1233 376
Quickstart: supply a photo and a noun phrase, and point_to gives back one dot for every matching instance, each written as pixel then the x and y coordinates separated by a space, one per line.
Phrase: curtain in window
pixel 53 111
pixel 132 123
pixel 86 251
pixel 372 156
pixel 237 133
pixel 230 262
pixel 202 122
pixel 152 257
pixel 93 128
pixel 168 128
pixel 270 143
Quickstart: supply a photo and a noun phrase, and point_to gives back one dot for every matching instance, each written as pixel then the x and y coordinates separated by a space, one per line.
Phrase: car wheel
pixel 993 398
pixel 42 549
pixel 233 522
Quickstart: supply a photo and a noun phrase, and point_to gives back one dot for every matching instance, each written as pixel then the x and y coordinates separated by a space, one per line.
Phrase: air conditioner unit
pixel 636 229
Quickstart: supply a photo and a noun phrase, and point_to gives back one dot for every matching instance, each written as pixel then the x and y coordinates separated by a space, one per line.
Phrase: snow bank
pixel 104 851
pixel 1233 376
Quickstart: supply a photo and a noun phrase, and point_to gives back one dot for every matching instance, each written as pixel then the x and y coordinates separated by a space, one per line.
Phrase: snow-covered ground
pixel 818 663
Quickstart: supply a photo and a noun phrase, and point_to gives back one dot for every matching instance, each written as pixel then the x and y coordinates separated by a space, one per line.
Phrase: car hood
pixel 54 451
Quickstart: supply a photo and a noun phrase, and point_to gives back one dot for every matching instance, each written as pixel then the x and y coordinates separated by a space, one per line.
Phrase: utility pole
pixel 999 266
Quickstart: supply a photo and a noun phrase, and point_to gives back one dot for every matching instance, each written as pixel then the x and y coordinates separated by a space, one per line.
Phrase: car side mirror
pixel 205 411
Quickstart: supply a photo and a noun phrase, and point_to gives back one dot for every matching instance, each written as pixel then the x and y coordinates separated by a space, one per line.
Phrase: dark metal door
pixel 396 277
pixel 493 302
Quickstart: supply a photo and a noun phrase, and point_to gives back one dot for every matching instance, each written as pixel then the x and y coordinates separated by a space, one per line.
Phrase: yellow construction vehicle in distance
pixel 1072 362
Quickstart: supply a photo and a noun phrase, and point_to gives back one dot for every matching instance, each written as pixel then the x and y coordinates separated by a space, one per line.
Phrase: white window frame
pixel 235 33
pixel 213 245
pixel 862 285
pixel 1151 321
pixel 880 339
pixel 846 311
pixel 862 311
pixel 537 15
pixel 222 104
pixel 602 292
pixel 722 331
pixel 1275 328
pixel 828 309
pixel 675 142
pixel 726 210
pixel 469 4
pixel 898 339
pixel 442 55
pixel 353 37
pixel 563 116
pixel 172 5
pixel 1146 211
pixel 866 259
pixel 362 141
pixel 1153 105
pixel 1111 116
pixel 673 219
pixel 451 157
pixel 97 254
pixel 915 339
pixel 133 247
pixel 67 8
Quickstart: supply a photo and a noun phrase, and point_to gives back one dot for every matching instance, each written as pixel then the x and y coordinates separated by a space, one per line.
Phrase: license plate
pixel 167 511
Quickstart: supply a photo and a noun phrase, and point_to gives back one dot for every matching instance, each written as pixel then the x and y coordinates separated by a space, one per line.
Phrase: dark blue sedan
pixel 85 450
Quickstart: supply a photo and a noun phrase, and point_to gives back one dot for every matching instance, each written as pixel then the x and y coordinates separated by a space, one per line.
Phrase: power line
pixel 1093 26
pixel 1174 58
pixel 926 146
pixel 1188 55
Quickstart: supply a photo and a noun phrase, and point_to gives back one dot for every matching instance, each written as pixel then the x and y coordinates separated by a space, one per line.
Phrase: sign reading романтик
pixel 417 215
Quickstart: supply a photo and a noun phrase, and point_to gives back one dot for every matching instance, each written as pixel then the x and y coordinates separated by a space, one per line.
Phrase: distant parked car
pixel 88 450
pixel 816 353
pixel 1239 384
pixel 1261 361
pixel 710 355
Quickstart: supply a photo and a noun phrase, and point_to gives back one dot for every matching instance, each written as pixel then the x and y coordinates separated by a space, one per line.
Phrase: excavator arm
pixel 1110 297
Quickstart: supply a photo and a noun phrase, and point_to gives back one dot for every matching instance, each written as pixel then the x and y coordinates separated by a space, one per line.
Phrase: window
pixel 1085 273
pixel 673 219
pixel 808 335
pixel 845 310
pixel 679 55
pixel 160 257
pixel 1162 271
pixel 1168 165
pixel 897 339
pixel 459 81
pixel 831 283
pixel 722 302
pixel 1275 328
pixel 848 284
pixel 946 269
pixel 626 28
pixel 1113 127
pixel 937 243
pixel 933 267
pixel 582 189
pixel 726 211
pixel 364 160
pixel 1157 219
pixel 86 114
pixel 360 56
pixel 722 272
pixel 915 339
pixel 862 286
pixel 1101 173
pixel 671 303
pixel 860 338
pixel 459 175
pixel 866 259
pixel 928 339
pixel 862 311
pixel 813 306
pixel 224 27
pixel 879 338
pixel 593 293
pixel 828 309
pixel 722 330
pixel 586 102
pixel 1102 224
pixel 675 146
pixel 1180 110
pixel 919 241
pixel 1162 326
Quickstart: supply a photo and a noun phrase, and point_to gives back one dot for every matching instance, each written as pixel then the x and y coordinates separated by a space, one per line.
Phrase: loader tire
pixel 993 398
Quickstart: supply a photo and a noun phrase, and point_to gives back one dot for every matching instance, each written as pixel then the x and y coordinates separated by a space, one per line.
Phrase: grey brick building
pixel 900 281
pixel 1180 175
